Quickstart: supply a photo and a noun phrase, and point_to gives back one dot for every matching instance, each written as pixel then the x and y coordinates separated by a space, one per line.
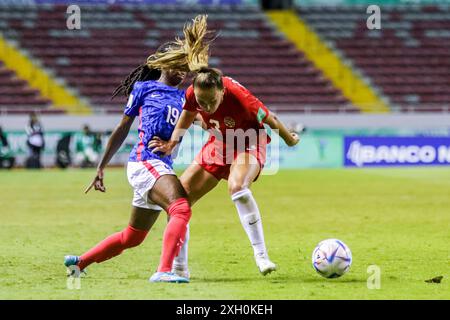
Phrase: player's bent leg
pixel 170 195
pixel 180 263
pixel 242 172
pixel 196 182
pixel 143 219
pixel 134 234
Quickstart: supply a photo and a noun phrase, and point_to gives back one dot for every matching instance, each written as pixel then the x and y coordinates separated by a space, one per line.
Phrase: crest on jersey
pixel 229 122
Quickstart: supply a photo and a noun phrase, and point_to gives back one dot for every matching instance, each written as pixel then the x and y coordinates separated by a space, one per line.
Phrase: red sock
pixel 113 246
pixel 180 213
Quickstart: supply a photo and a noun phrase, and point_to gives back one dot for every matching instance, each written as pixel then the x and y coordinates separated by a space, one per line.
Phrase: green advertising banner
pixel 314 150
pixel 318 148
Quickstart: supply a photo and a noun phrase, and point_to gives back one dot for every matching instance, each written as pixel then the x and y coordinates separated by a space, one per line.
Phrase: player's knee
pixel 243 195
pixel 186 187
pixel 191 196
pixel 133 242
pixel 236 186
pixel 180 208
pixel 133 237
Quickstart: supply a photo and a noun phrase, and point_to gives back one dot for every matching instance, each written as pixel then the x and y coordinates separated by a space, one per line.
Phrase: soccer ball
pixel 331 258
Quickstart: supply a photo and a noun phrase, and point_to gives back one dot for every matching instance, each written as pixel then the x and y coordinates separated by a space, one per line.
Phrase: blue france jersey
pixel 158 107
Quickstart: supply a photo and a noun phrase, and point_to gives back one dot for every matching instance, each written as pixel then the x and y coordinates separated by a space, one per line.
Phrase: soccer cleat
pixel 181 271
pixel 265 266
pixel 167 277
pixel 71 262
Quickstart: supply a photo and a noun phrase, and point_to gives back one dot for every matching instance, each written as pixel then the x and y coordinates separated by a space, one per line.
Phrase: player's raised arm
pixel 185 121
pixel 116 139
pixel 291 138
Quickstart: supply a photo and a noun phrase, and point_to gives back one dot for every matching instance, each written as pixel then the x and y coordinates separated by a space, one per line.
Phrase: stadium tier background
pixel 318 63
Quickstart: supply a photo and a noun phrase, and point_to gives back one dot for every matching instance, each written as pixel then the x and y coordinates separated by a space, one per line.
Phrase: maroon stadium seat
pixel 16 96
pixel 114 40
pixel 408 60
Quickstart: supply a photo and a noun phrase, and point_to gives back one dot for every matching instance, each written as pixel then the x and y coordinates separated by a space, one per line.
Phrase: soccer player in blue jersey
pixel 158 105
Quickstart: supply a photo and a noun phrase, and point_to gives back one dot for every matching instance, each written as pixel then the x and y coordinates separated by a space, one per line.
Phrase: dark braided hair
pixel 141 73
pixel 189 54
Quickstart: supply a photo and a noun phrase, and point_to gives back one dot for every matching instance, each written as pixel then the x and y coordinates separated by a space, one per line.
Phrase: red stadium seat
pixel 408 60
pixel 113 41
pixel 15 92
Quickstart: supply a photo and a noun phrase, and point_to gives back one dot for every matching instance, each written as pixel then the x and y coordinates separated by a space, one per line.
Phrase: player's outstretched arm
pixel 166 147
pixel 116 139
pixel 200 122
pixel 291 138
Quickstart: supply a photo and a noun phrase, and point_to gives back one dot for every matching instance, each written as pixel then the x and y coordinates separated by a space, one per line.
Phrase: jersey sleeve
pixel 190 103
pixel 134 103
pixel 256 110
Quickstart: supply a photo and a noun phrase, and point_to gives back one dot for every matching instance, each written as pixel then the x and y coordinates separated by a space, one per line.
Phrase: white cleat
pixel 167 277
pixel 265 266
pixel 181 271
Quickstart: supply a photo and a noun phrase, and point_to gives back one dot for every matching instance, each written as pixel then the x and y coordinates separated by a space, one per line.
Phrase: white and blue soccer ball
pixel 332 258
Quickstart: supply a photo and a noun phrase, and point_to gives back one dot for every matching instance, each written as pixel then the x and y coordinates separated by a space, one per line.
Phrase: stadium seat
pixel 408 60
pixel 115 39
pixel 17 97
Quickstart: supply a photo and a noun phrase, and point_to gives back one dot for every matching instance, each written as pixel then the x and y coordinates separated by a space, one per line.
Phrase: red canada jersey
pixel 240 114
pixel 238 110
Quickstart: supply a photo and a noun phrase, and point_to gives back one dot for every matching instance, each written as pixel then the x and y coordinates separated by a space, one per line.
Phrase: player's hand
pixel 294 139
pixel 160 145
pixel 97 183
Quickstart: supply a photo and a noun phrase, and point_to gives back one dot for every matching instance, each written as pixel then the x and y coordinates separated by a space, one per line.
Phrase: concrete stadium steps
pixel 325 59
pixel 16 96
pixel 114 40
pixel 408 60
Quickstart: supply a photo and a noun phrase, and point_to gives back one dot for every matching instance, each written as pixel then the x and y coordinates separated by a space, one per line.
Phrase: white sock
pixel 250 220
pixel 181 261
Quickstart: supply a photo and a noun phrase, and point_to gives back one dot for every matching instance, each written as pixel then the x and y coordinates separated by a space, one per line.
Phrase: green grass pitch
pixel 397 219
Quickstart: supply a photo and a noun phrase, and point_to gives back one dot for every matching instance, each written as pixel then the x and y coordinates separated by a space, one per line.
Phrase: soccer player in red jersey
pixel 235 151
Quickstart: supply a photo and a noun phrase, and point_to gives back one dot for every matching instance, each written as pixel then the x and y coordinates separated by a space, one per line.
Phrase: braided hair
pixel 142 73
pixel 189 54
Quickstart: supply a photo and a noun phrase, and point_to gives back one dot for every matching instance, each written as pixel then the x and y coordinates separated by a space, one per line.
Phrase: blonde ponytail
pixel 189 54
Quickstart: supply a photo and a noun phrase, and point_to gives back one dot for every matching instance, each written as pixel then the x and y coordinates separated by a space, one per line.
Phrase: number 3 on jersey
pixel 172 115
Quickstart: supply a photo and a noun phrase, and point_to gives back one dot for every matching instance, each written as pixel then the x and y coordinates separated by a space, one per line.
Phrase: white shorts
pixel 142 177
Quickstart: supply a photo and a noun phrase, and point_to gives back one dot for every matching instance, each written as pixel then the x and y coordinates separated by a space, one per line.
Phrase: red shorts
pixel 214 162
